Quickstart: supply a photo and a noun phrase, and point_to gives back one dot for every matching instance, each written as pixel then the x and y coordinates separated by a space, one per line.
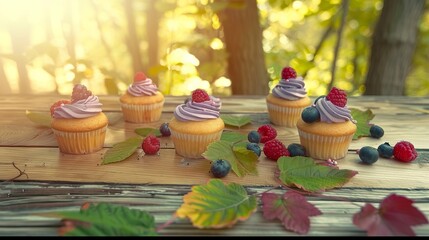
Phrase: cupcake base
pixel 80 142
pixel 285 112
pixel 142 113
pixel 326 140
pixel 192 138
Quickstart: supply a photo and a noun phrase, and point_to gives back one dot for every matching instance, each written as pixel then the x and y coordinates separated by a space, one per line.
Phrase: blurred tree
pixel 243 39
pixel 4 83
pixel 152 25
pixel 132 38
pixel 394 43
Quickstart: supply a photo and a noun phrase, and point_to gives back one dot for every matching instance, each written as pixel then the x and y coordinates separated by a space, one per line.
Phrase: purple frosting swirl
pixel 290 89
pixel 194 111
pixel 143 88
pixel 84 108
pixel 330 112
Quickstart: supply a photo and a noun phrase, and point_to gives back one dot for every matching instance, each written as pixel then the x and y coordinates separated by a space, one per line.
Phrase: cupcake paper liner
pixel 284 116
pixel 325 147
pixel 142 113
pixel 192 146
pixel 80 142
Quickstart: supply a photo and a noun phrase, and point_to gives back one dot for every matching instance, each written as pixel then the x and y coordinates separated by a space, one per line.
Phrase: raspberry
pixel 253 137
pixel 288 72
pixel 274 149
pixel 220 168
pixel 58 104
pixel 404 151
pixel 139 76
pixel 200 95
pixel 165 130
pixel 79 93
pixel 337 96
pixel 150 145
pixel 267 133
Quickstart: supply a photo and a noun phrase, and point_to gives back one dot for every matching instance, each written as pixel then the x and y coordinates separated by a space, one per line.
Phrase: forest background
pixel 224 46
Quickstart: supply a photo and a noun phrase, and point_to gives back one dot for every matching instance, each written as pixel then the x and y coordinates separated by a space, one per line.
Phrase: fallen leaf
pixel 291 208
pixel 363 118
pixel 217 205
pixel 394 217
pixel 121 151
pixel 233 137
pixel 146 131
pixel 40 118
pixel 235 121
pixel 306 174
pixel 105 219
pixel 242 161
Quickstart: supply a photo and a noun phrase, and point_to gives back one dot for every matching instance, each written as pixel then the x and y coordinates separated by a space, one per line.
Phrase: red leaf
pixel 395 217
pixel 292 209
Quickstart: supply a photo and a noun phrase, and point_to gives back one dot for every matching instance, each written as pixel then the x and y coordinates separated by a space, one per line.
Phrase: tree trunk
pixel 4 83
pixel 393 46
pixel 152 26
pixel 243 39
pixel 132 39
pixel 20 41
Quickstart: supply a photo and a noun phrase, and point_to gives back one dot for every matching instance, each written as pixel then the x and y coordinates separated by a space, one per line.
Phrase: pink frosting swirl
pixel 143 88
pixel 198 111
pixel 84 108
pixel 290 89
pixel 330 112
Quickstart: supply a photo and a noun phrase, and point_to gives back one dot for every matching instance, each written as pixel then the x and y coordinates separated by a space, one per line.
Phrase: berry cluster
pixel 80 92
pixel 151 145
pixel 200 95
pixel 288 72
pixel 139 76
pixel 403 151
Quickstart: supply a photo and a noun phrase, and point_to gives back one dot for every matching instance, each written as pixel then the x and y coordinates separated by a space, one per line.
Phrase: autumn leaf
pixel 39 118
pixel 304 173
pixel 217 205
pixel 105 219
pixel 146 131
pixel 292 209
pixel 233 137
pixel 235 121
pixel 362 124
pixel 122 150
pixel 242 161
pixel 394 217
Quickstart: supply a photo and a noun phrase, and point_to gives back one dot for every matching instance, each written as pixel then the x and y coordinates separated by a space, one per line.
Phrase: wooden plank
pixel 48 164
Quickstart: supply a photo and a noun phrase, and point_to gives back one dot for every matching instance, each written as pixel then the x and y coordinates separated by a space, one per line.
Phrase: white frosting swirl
pixel 143 88
pixel 290 89
pixel 84 108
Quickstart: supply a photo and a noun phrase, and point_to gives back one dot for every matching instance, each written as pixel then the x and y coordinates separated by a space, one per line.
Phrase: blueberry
pixel 296 149
pixel 165 130
pixel 254 147
pixel 385 150
pixel 368 155
pixel 220 168
pixel 376 131
pixel 310 114
pixel 254 137
pixel 317 99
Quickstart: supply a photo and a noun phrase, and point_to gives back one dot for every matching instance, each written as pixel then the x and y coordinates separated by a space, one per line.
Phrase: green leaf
pixel 105 219
pixel 304 173
pixel 236 121
pixel 122 150
pixel 233 137
pixel 42 119
pixel 242 161
pixel 217 205
pixel 146 131
pixel 362 118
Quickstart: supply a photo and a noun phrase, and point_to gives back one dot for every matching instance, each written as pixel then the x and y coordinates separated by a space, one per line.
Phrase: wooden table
pixel 54 181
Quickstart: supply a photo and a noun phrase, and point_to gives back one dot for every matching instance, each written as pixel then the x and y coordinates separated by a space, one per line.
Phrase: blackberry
pixel 165 130
pixel 254 137
pixel 220 168
pixel 368 155
pixel 254 147
pixel 385 150
pixel 376 131
pixel 296 149
pixel 310 115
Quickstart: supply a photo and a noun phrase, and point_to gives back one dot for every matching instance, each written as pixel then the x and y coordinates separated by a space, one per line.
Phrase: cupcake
pixel 142 103
pixel 196 124
pixel 79 125
pixel 326 128
pixel 287 99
